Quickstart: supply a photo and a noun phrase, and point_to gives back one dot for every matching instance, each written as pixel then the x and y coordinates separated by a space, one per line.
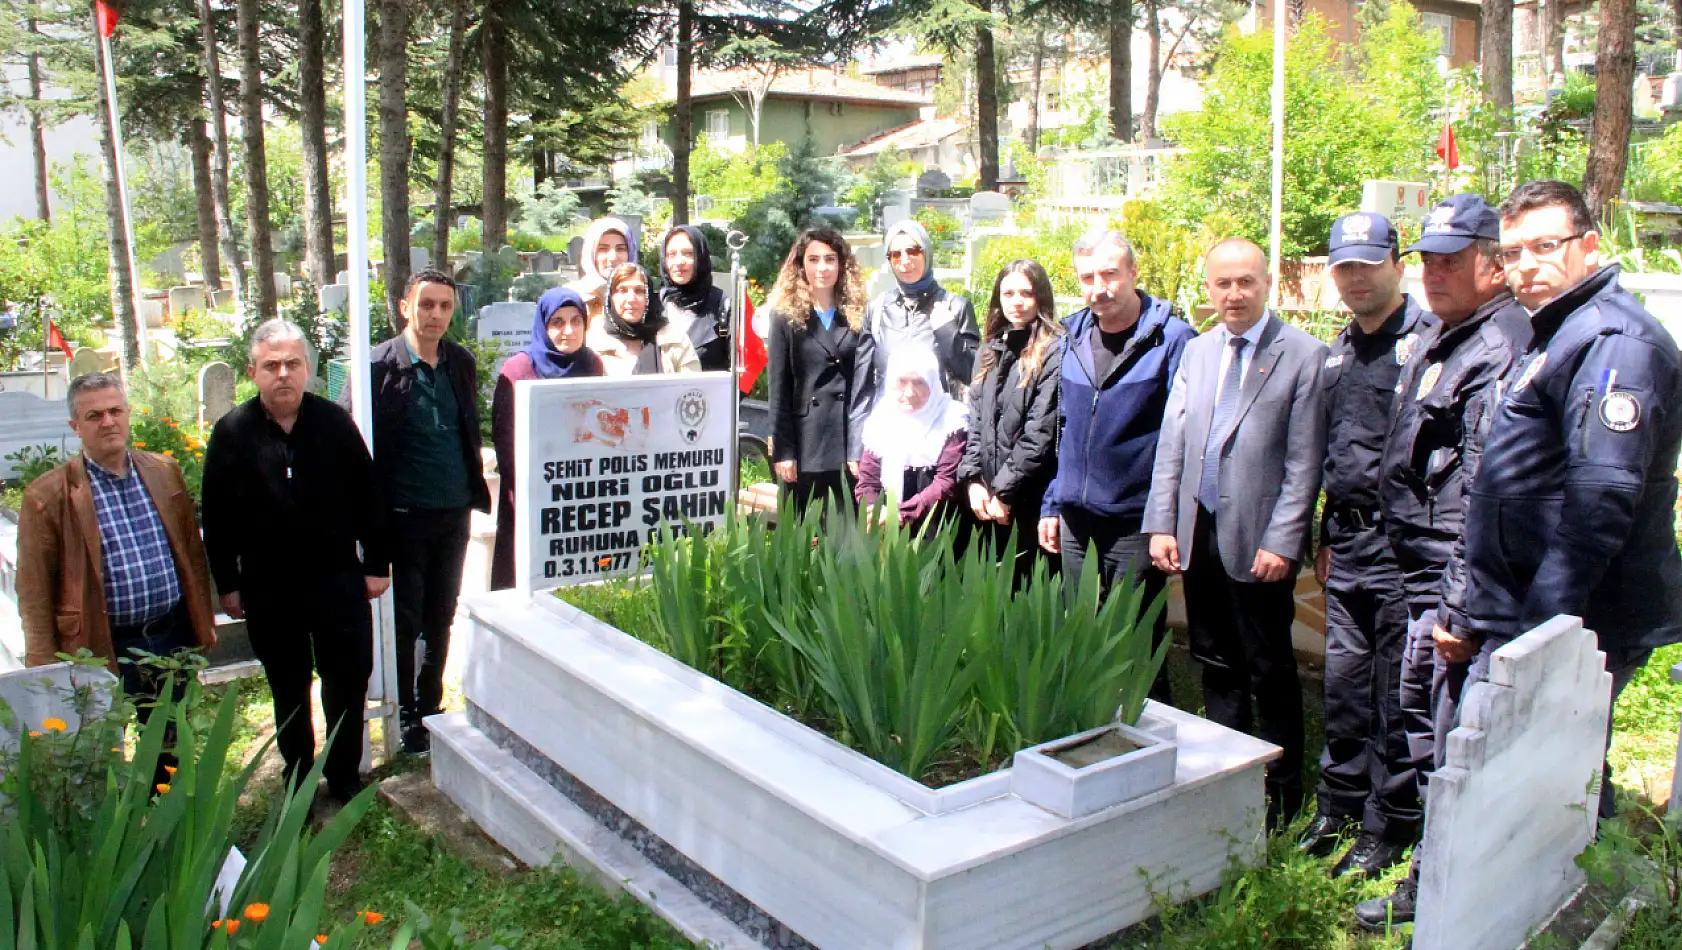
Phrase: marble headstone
pixel 933 183
pixel 183 299
pixel 508 326
pixel 282 286
pixel 334 297
pixel 988 206
pixel 575 251
pixel 1517 800
pixel 85 361
pixel 544 262
pixel 216 392
pixel 419 259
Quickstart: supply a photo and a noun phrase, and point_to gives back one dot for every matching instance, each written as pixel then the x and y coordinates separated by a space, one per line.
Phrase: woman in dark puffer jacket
pixel 1011 452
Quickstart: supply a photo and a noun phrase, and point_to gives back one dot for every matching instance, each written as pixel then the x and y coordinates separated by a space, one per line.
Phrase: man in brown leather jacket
pixel 109 553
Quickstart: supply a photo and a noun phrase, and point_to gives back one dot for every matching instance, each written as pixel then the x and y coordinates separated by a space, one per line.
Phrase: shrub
pixel 1051 247
pixel 165 435
pixel 33 461
pixel 549 210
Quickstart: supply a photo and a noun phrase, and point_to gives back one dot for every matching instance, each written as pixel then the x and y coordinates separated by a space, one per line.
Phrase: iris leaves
pixel 907 652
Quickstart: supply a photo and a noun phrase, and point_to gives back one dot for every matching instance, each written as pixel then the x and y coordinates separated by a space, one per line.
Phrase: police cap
pixel 1456 223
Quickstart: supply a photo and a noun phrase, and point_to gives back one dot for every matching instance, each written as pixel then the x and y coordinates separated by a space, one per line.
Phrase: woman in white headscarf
pixel 607 244
pixel 913 440
pixel 918 311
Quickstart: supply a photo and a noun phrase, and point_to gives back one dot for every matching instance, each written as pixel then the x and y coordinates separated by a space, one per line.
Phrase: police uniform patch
pixel 1620 411
pixel 1428 382
pixel 1404 348
pixel 1530 371
pixel 1333 362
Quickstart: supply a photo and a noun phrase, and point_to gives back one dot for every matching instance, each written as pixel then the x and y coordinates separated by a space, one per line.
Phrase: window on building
pixel 718 124
pixel 1443 25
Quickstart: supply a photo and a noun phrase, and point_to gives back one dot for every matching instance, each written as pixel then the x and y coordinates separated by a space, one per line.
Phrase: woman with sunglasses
pixel 1010 454
pixel 919 310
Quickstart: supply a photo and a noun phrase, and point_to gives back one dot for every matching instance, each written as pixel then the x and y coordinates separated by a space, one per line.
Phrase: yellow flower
pixel 34 734
pixel 169 452
pixel 139 445
pixel 257 913
pixel 163 788
pixel 54 724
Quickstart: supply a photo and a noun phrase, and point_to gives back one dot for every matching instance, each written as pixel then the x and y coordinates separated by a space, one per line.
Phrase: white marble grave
pixel 40 692
pixel 183 299
pixel 282 286
pixel 27 419
pixel 334 298
pixel 989 207
pixel 85 361
pixel 1517 799
pixel 419 259
pixel 507 325
pixel 746 828
pixel 217 381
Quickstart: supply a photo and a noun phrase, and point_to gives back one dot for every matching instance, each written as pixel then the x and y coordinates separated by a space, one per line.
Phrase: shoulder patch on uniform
pixel 1530 370
pixel 1333 362
pixel 1428 382
pixel 1620 411
pixel 1404 348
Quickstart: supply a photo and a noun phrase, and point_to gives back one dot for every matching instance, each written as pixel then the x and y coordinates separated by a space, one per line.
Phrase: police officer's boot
pixel 1324 834
pixel 1371 856
pixel 1381 914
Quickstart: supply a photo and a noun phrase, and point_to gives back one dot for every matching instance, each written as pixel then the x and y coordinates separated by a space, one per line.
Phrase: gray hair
pixel 1091 241
pixel 278 330
pixel 91 383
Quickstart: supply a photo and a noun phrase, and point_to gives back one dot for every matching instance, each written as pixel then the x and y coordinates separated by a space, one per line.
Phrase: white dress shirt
pixel 1252 337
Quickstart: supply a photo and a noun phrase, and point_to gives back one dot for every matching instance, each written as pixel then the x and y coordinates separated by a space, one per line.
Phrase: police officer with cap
pixel 1365 779
pixel 1444 402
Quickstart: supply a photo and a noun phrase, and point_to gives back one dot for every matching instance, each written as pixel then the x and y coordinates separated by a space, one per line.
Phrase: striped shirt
pixel 141 584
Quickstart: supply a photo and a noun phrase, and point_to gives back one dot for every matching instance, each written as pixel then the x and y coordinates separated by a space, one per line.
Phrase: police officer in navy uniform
pixel 1436 439
pixel 1365 779
pixel 1572 507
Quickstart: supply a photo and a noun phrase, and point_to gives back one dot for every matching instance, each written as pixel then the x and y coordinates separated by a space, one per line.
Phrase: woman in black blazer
pixel 822 369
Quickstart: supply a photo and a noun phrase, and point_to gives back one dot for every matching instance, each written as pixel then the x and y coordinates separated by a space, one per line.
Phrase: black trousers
pixel 1024 529
pixel 143 684
pixel 330 635
pixel 1122 551
pixel 429 547
pixel 1241 633
pixel 1366 769
pixel 810 487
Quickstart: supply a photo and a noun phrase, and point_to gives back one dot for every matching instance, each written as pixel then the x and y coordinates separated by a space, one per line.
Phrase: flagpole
pixel 735 241
pixel 1276 213
pixel 119 168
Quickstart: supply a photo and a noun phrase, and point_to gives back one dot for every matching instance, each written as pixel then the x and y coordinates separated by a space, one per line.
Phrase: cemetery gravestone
pixel 334 297
pixel 507 326
pixel 216 392
pixel 544 262
pixel 152 306
pixel 896 207
pixel 575 251
pixel 343 277
pixel 86 361
pixel 419 259
pixel 987 206
pixel 221 298
pixel 282 286
pixel 634 222
pixel 933 183
pixel 183 299
pixel 1518 798
pixel 27 420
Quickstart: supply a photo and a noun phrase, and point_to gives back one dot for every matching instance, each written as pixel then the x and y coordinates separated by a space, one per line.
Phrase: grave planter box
pixel 1093 770
pixel 748 829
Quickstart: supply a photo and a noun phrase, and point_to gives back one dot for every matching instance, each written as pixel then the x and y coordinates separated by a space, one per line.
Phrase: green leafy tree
pixel 1342 126
pixel 887 172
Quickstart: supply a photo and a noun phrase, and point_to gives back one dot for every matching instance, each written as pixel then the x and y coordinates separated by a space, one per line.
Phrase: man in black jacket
pixel 289 497
pixel 426 455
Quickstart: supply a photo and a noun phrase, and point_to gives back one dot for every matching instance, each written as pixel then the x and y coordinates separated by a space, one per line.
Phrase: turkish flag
pixel 750 346
pixel 1446 149
pixel 105 15
pixel 56 339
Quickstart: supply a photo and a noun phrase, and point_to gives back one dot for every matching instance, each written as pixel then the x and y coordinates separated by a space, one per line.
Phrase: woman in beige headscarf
pixel 607 244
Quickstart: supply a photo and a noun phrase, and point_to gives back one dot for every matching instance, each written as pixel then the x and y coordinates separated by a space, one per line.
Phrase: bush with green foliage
pixel 548 210
pixel 1342 126
pixel 1052 247
pixel 889 171
pixel 57 271
pixel 774 221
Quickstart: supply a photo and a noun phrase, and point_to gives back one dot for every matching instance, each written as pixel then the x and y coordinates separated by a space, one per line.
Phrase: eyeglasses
pixel 907 252
pixel 1546 247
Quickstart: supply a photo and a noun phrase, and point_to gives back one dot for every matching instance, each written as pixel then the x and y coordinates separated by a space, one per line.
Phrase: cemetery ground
pixel 445 868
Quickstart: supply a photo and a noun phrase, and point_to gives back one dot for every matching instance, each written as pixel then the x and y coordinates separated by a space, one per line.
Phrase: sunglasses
pixel 906 252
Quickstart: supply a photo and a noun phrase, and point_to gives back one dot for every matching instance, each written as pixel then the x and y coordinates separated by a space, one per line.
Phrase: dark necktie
pixel 1226 405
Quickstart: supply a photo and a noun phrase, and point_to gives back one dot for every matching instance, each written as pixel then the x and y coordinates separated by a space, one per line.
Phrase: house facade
pixel 832 110
pixel 1458 23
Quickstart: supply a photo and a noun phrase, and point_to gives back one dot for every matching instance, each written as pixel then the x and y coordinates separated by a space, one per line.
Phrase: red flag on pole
pixel 55 339
pixel 751 345
pixel 105 15
pixel 1446 149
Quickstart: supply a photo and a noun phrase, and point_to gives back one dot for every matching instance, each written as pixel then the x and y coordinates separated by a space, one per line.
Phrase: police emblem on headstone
pixel 1404 348
pixel 1433 373
pixel 691 412
pixel 1620 411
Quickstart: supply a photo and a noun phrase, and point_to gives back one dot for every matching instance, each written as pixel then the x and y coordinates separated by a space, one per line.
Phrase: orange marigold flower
pixel 35 733
pixel 233 926
pixel 54 724
pixel 370 917
pixel 139 445
pixel 169 452
pixel 168 768
pixel 604 561
pixel 216 925
pixel 163 788
pixel 257 913
pixel 321 939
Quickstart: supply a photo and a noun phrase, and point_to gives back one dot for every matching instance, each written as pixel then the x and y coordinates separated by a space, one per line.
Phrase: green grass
pixel 386 863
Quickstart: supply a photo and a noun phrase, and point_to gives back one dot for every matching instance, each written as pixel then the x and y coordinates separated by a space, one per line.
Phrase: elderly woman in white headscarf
pixel 920 311
pixel 607 244
pixel 913 440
